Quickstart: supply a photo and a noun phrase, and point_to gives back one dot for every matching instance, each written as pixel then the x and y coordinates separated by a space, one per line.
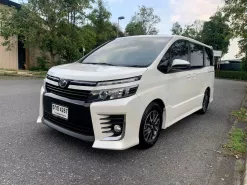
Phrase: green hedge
pixel 237 75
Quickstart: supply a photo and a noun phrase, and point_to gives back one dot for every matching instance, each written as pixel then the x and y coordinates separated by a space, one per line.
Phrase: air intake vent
pixel 114 124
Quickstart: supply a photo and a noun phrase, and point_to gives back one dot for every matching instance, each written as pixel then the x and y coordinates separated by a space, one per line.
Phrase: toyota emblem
pixel 63 83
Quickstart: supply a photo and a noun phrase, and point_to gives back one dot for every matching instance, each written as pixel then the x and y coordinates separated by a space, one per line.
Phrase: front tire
pixel 150 125
pixel 205 102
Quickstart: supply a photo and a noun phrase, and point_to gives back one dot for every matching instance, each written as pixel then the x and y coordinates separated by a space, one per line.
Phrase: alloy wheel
pixel 151 126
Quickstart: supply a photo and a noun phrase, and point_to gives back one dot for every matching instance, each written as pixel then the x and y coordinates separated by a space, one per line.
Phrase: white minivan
pixel 124 92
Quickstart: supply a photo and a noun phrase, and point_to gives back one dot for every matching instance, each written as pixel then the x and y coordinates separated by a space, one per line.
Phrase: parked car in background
pixel 123 93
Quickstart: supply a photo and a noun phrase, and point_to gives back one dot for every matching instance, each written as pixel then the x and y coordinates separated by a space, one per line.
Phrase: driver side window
pixel 178 50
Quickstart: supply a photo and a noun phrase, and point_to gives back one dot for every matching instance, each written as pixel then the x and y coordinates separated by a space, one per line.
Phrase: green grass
pixel 240 114
pixel 237 142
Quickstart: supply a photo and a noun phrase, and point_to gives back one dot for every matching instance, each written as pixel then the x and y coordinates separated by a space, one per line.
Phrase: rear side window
pixel 179 50
pixel 196 55
pixel 208 57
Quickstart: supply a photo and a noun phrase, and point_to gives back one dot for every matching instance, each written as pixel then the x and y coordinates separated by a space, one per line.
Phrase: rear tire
pixel 150 125
pixel 205 102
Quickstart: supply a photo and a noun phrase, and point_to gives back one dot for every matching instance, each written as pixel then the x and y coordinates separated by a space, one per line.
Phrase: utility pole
pixel 119 18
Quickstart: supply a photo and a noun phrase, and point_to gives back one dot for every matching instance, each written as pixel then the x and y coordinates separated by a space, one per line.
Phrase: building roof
pixel 10 3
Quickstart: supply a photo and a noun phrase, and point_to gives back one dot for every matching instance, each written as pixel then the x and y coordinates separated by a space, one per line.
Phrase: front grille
pixel 79 118
pixel 68 93
pixel 110 121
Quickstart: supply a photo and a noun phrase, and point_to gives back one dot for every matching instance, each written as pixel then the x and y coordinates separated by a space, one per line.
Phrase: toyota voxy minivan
pixel 124 92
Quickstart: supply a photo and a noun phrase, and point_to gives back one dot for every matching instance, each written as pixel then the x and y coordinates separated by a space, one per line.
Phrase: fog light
pixel 117 128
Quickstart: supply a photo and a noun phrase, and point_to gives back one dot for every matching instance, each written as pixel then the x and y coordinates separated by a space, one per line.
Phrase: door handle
pixel 193 76
pixel 189 76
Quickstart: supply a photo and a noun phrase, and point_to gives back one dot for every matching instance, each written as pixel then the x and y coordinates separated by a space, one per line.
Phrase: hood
pixel 90 72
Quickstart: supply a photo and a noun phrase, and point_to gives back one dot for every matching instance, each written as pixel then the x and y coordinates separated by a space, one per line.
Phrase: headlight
pixel 111 94
pixel 115 82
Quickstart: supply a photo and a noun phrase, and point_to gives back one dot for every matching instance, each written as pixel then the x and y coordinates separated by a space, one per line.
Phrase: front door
pixel 179 86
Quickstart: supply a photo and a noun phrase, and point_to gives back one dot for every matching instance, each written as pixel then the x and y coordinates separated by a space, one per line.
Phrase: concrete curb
pixel 21 73
pixel 245 174
pixel 245 170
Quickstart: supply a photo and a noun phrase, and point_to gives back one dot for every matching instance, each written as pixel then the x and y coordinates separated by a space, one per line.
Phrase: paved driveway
pixel 185 153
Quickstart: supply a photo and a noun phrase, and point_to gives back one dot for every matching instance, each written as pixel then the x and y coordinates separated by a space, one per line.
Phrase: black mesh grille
pixel 68 93
pixel 79 117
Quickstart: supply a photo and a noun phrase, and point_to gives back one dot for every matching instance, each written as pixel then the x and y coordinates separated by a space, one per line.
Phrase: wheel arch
pixel 162 105
pixel 159 102
pixel 208 88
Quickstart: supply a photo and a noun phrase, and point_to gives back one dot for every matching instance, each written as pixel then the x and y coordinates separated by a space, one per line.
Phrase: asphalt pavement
pixel 188 152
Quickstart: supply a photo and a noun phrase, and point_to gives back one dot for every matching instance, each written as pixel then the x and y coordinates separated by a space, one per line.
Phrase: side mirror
pixel 180 64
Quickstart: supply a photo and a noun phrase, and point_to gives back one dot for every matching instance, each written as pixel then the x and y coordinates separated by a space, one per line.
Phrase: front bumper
pixel 130 107
pixel 68 132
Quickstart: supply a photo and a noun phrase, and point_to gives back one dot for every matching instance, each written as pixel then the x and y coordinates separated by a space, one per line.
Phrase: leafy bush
pixel 244 64
pixel 41 65
pixel 237 75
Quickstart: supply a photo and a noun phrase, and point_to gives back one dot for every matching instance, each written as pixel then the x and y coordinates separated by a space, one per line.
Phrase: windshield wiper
pixel 90 63
pixel 136 66
pixel 106 64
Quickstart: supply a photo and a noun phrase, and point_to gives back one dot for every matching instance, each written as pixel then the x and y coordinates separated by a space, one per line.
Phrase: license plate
pixel 60 111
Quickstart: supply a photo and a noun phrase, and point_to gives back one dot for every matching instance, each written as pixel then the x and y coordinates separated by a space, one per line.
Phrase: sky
pixel 170 11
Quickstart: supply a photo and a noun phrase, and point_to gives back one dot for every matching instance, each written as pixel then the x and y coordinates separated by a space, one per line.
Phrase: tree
pixel 177 29
pixel 115 28
pixel 70 42
pixel 47 25
pixel 235 11
pixel 89 38
pixel 135 29
pixel 75 10
pixel 216 33
pixel 143 22
pixel 100 20
pixel 193 30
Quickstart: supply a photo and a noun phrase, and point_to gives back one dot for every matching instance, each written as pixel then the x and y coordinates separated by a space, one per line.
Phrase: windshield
pixel 128 52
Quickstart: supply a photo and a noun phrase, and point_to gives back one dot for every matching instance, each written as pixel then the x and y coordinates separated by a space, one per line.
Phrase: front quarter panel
pixel 153 86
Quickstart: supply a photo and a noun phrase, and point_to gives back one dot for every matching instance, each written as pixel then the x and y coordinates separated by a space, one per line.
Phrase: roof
pixel 173 37
pixel 10 3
